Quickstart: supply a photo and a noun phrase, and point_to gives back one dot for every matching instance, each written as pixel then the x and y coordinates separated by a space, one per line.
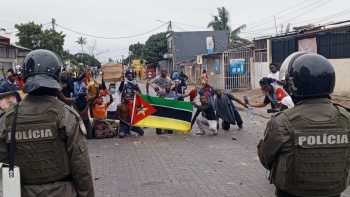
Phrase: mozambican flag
pixel 154 112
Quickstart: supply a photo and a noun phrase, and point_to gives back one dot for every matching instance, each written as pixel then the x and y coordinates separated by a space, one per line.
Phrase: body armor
pixel 40 153
pixel 319 162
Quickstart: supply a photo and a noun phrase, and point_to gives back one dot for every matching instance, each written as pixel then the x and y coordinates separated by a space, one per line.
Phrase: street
pixel 182 164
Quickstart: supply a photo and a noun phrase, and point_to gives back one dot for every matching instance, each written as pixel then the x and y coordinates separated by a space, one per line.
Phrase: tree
pixel 136 50
pixel 110 60
pixel 220 21
pixel 155 47
pixel 235 39
pixel 28 35
pixel 51 40
pixel 31 35
pixel 86 59
pixel 92 49
pixel 81 41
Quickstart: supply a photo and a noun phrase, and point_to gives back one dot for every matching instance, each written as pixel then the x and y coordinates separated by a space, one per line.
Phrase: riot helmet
pixel 308 75
pixel 41 68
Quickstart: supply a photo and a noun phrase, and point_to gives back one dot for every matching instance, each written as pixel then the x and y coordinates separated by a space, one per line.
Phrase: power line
pixel 189 25
pixel 179 27
pixel 261 30
pixel 279 12
pixel 107 37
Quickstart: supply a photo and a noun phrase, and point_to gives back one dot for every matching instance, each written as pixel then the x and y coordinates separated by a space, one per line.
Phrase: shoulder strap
pixel 292 114
pixel 56 106
pixel 343 115
pixel 13 143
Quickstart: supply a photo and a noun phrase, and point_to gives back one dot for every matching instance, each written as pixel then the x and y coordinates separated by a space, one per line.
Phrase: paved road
pixel 180 164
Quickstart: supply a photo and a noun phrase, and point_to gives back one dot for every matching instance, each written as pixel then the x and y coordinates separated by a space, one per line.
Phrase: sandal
pixel 200 133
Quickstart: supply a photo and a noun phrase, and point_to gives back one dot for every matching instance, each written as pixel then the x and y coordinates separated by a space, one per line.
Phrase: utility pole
pixel 275 23
pixel 53 23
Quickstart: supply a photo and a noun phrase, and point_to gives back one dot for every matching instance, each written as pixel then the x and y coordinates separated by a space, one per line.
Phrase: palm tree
pixel 81 41
pixel 220 21
pixel 235 39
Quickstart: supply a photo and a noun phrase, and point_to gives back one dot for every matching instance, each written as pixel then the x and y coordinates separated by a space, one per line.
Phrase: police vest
pixel 319 162
pixel 40 153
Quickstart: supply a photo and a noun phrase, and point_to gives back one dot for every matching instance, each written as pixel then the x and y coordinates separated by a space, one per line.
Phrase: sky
pixel 125 18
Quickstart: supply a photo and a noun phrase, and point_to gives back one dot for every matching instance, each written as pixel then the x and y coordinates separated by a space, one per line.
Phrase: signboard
pixel 217 66
pixel 210 44
pixel 205 64
pixel 112 72
pixel 237 66
pixel 308 45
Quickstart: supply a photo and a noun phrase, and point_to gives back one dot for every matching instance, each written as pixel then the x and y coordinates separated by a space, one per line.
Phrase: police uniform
pixel 306 148
pixel 51 150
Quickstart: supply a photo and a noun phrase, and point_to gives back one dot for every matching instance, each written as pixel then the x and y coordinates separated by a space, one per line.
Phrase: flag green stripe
pixel 166 102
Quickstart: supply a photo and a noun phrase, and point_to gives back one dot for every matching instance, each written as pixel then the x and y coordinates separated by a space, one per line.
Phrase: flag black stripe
pixel 172 113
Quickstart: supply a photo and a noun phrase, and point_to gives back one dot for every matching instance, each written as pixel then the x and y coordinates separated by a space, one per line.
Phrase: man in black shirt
pixel 67 82
pixel 208 117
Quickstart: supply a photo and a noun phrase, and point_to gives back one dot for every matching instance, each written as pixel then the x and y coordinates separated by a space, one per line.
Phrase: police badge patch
pixel 82 126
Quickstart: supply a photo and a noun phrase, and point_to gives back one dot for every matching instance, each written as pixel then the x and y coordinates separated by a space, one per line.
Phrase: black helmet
pixel 308 75
pixel 42 62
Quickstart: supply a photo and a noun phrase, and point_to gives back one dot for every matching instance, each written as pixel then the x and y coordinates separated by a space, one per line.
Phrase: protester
pixel 204 77
pixel 180 82
pixel 226 110
pixel 19 80
pixel 158 83
pixel 275 76
pixel 101 127
pixel 92 88
pixel 183 76
pixel 124 116
pixel 87 77
pixel 131 86
pixel 67 82
pixel 116 94
pixel 3 80
pixel 273 94
pixel 81 105
pixel 57 163
pixel 10 84
pixel 77 86
pixel 140 74
pixel 208 91
pixel 208 117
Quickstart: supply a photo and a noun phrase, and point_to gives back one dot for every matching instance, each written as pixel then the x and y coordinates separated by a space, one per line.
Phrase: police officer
pixel 51 150
pixel 306 148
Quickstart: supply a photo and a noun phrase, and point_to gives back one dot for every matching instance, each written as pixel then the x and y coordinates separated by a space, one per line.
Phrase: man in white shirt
pixel 275 76
pixel 116 94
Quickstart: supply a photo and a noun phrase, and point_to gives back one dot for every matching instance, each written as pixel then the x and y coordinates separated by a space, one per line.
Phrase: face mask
pixel 112 90
pixel 63 78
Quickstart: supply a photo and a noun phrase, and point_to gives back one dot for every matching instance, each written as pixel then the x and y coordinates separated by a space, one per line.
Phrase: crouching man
pixel 208 117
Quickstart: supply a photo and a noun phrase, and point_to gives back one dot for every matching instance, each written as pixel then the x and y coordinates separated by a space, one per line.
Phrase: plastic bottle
pixel 250 113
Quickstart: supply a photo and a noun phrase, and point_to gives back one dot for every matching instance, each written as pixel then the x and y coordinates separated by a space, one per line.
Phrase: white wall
pixel 342 75
pixel 258 71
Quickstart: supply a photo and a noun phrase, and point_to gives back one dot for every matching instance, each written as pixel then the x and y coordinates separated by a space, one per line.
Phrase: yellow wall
pixel 342 74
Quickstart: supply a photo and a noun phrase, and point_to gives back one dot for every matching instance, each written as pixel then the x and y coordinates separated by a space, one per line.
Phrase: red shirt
pixel 20 83
pixel 86 80
pixel 280 94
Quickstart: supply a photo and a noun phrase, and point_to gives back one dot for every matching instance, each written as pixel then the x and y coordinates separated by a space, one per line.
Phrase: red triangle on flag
pixel 141 109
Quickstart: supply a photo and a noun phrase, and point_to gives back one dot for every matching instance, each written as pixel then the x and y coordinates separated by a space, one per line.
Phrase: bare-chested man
pixel 81 106
pixel 124 116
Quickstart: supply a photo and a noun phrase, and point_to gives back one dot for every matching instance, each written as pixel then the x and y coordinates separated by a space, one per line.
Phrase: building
pixel 331 41
pixel 184 46
pixel 10 54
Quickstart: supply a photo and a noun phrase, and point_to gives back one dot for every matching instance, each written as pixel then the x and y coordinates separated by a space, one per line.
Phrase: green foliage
pixel 220 21
pixel 87 59
pixel 235 39
pixel 136 50
pixel 28 35
pixel 155 47
pixel 32 36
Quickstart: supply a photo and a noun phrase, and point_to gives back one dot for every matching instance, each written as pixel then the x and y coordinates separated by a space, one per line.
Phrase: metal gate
pixel 237 81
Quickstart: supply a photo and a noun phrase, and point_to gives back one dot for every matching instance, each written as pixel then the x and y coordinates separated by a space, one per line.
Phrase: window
pixel 334 45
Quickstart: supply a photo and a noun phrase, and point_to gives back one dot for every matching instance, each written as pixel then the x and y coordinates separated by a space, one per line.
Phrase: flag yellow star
pixel 141 110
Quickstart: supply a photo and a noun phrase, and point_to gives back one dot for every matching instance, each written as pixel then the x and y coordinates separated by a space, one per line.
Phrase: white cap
pixel 287 101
